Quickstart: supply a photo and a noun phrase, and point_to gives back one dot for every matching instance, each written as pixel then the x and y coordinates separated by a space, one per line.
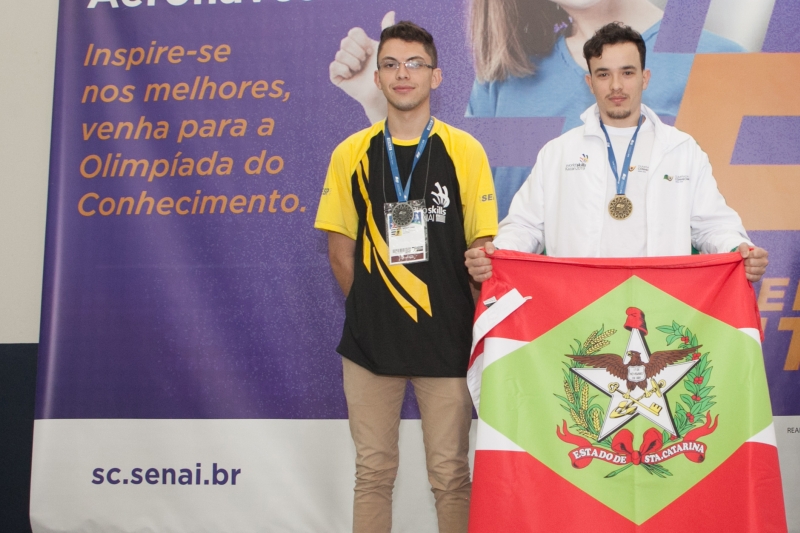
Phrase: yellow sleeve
pixel 477 186
pixel 336 211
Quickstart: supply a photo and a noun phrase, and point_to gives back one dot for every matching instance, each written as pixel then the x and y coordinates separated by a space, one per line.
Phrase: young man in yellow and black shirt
pixel 409 303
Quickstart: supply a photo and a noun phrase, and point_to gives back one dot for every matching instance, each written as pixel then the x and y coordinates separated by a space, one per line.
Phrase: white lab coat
pixel 562 205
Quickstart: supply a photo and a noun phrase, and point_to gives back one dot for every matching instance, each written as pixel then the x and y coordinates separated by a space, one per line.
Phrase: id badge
pixel 406 232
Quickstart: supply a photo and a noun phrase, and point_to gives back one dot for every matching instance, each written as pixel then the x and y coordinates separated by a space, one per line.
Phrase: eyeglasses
pixel 413 64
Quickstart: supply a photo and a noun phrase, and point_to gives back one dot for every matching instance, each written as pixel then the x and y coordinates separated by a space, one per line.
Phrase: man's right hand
pixel 353 67
pixel 479 262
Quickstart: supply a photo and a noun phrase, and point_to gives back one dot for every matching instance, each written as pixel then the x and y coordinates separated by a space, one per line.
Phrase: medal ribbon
pixel 622 179
pixel 402 195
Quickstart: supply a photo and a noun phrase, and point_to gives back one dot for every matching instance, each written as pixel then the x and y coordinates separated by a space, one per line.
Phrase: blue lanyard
pixel 402 195
pixel 622 180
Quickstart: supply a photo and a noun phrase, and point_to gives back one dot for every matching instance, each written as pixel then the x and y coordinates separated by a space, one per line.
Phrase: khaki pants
pixel 374 404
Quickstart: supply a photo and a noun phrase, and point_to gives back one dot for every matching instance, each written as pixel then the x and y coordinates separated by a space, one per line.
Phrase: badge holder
pixel 406 232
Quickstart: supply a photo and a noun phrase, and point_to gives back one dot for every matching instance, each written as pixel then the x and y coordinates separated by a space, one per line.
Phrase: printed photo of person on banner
pixel 528 61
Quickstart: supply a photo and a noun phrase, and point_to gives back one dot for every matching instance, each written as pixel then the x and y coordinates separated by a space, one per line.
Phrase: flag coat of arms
pixel 621 395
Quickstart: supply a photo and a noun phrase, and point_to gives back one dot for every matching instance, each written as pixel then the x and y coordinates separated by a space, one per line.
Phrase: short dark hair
pixel 409 32
pixel 613 33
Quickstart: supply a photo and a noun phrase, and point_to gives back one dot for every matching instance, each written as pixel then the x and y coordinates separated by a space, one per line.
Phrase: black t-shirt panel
pixel 378 333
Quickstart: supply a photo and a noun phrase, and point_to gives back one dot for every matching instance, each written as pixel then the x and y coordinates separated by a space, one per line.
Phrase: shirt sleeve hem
pixel 325 226
pixel 483 232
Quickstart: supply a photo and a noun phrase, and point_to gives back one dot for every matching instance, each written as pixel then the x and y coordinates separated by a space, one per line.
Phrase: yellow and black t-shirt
pixel 414 319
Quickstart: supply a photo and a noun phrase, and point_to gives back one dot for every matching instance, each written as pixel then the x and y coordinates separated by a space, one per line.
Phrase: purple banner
pixel 782 34
pixel 682 25
pixel 151 313
pixel 779 301
pixel 183 276
pixel 767 141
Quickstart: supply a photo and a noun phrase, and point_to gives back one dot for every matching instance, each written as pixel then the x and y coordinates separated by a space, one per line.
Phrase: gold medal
pixel 620 207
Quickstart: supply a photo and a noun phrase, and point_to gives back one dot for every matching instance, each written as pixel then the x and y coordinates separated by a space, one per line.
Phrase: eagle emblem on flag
pixel 637 384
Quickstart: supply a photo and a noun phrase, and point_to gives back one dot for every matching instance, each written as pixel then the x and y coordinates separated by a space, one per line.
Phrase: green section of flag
pixel 519 396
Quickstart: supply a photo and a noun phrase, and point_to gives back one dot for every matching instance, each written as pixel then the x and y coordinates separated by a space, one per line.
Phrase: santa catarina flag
pixel 621 395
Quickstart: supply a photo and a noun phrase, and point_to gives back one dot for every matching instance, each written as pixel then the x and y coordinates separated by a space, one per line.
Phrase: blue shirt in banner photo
pixel 558 89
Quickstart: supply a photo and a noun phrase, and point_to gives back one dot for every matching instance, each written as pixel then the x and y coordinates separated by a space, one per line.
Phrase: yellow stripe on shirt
pixel 410 283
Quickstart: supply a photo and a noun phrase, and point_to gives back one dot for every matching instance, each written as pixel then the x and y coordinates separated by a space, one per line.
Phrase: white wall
pixel 27 62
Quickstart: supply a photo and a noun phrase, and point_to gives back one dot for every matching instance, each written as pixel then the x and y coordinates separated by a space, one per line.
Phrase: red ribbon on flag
pixel 696 433
pixel 623 444
pixel 580 442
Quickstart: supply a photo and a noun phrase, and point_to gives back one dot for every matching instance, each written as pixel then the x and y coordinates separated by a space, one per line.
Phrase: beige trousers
pixel 374 404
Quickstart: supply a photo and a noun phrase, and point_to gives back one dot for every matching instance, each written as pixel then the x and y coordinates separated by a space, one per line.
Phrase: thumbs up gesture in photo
pixel 353 67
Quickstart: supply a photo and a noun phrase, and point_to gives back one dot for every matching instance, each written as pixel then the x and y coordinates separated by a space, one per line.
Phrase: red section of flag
pixel 514 492
pixel 714 284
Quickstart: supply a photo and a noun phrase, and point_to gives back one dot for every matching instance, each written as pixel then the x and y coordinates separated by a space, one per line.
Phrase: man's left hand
pixel 755 261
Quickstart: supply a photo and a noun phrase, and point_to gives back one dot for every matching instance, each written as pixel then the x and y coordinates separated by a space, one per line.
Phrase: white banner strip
pixel 142 475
